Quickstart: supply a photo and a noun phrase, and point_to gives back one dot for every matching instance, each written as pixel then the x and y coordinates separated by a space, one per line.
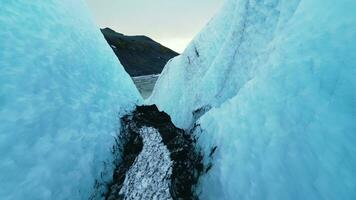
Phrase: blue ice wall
pixel 62 92
pixel 221 59
pixel 280 78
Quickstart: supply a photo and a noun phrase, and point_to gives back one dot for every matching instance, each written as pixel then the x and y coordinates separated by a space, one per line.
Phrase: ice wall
pixel 221 59
pixel 62 92
pixel 280 78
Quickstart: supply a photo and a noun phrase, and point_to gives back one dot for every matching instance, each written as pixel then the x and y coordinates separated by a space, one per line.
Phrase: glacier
pixel 267 90
pixel 62 92
pixel 205 75
pixel 271 84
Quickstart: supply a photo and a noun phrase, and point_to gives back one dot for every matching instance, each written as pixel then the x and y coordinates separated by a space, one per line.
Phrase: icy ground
pixel 155 160
pixel 149 177
pixel 145 84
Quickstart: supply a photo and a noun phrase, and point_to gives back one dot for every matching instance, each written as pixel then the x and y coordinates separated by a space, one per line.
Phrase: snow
pixel 279 77
pixel 62 92
pixel 149 176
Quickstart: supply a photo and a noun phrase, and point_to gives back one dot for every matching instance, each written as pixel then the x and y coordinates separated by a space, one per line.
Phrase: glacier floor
pixel 149 180
pixel 154 160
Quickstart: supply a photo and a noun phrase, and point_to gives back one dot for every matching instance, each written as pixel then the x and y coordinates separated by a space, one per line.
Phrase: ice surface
pixel 61 94
pixel 145 84
pixel 280 78
pixel 149 176
pixel 221 59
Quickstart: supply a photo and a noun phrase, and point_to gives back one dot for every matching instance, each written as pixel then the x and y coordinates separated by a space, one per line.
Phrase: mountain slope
pixel 140 55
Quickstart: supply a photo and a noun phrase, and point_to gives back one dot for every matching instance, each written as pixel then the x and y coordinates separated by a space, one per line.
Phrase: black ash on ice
pixel 155 160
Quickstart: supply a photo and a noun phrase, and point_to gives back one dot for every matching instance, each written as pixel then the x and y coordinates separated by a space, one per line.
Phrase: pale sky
pixel 172 23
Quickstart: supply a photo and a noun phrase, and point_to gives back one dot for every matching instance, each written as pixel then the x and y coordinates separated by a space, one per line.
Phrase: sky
pixel 173 23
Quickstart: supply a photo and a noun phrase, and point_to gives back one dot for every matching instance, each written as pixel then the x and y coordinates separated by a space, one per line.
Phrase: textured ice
pixel 280 78
pixel 61 94
pixel 221 59
pixel 149 176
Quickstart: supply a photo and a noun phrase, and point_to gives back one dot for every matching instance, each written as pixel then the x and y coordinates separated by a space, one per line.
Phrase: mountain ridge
pixel 139 54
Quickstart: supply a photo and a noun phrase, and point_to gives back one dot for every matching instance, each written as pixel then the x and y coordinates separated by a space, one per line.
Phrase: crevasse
pixel 270 83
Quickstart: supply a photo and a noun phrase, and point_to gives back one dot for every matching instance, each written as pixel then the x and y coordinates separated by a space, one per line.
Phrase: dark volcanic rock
pixel 186 159
pixel 139 55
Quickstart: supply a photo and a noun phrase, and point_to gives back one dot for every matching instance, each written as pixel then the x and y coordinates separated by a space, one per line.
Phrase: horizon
pixel 181 22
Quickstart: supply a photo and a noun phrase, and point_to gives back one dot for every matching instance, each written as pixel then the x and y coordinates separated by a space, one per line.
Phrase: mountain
pixel 140 55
